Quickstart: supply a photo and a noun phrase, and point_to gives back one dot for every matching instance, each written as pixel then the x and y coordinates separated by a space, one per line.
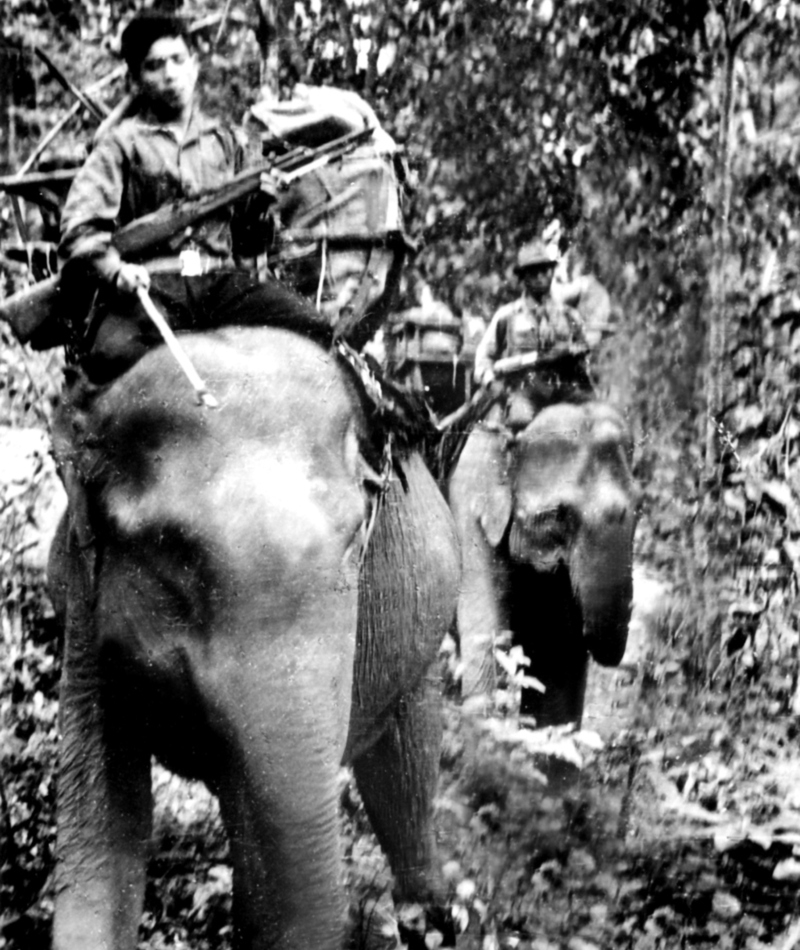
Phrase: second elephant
pixel 546 522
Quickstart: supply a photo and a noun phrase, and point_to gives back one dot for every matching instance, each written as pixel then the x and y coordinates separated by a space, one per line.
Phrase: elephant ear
pixel 495 513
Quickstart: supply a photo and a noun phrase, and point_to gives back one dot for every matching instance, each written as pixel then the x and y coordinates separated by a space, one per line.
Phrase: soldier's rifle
pixel 525 362
pixel 33 313
pixel 505 368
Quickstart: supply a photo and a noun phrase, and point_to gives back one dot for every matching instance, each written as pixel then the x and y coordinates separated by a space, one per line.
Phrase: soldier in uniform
pixel 168 151
pixel 535 323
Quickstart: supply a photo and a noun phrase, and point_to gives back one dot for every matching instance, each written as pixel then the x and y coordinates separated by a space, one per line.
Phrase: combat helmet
pixel 532 255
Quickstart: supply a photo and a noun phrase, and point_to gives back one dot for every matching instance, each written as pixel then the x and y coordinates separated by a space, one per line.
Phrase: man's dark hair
pixel 143 30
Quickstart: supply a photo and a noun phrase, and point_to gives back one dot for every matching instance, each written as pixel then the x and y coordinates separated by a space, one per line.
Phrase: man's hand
pixel 130 277
pixel 268 186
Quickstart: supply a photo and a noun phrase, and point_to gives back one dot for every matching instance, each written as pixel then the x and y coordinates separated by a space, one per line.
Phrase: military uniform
pixel 527 326
pixel 535 323
pixel 139 167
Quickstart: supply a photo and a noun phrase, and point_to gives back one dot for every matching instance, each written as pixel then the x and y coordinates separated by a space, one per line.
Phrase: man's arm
pixel 488 350
pixel 91 211
pixel 90 218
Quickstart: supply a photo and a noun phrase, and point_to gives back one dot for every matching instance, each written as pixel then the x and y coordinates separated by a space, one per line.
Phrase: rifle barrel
pixel 300 156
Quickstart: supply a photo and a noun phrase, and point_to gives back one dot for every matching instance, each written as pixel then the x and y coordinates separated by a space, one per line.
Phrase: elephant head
pixel 546 519
pixel 249 616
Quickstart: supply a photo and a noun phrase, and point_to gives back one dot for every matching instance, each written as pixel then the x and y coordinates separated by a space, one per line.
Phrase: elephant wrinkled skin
pixel 546 521
pixel 242 633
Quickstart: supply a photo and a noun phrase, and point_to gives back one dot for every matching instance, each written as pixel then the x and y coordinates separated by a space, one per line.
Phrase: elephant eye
pixel 178 573
pixel 551 528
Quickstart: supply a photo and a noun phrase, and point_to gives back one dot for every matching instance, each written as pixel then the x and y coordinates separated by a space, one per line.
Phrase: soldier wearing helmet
pixel 534 323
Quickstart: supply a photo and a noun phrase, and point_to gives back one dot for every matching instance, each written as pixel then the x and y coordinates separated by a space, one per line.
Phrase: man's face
pixel 168 75
pixel 537 280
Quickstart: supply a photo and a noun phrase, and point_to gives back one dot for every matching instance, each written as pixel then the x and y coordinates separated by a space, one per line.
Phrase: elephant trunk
pixel 601 570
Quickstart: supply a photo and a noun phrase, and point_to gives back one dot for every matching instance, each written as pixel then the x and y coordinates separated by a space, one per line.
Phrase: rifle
pixel 525 362
pixel 503 368
pixel 33 313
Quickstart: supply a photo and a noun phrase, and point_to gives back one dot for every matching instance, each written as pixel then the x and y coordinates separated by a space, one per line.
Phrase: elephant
pixel 260 603
pixel 546 521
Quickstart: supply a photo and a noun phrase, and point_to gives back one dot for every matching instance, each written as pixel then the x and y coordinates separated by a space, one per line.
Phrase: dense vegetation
pixel 663 136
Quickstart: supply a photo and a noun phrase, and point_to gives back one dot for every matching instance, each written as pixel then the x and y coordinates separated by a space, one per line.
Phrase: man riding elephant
pixel 167 151
pixel 544 504
pixel 255 595
pixel 535 324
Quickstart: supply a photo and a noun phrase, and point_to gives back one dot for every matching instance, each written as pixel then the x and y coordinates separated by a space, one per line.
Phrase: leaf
pixel 788 870
pixel 747 418
pixel 725 905
pixel 780 493
pixel 506 662
pixel 466 890
pixel 517 654
pixel 460 916
pixel 590 739
pixel 530 682
pixel 735 501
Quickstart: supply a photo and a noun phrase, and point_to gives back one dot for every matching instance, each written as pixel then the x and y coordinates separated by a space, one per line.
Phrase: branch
pixel 31 160
pixel 346 32
pixel 222 24
pixel 99 112
pixel 378 39
pixel 722 13
pixel 742 33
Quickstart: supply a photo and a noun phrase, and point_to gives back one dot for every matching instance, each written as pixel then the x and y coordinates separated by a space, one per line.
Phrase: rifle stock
pixel 28 310
pixel 33 313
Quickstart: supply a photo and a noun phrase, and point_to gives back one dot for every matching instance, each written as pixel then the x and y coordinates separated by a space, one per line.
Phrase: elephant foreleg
pixel 479 615
pixel 397 779
pixel 104 797
pixel 547 621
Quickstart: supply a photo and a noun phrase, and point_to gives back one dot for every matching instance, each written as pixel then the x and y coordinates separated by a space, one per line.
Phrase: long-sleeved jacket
pixel 139 167
pixel 525 326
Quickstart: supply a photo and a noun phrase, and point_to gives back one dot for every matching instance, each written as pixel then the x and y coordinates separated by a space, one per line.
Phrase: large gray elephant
pixel 546 521
pixel 247 614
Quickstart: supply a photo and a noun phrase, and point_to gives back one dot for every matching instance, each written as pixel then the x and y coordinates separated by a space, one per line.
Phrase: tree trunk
pixel 273 15
pixel 721 264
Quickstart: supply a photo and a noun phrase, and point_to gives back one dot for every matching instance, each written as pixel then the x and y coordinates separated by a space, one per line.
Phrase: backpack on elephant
pixel 339 237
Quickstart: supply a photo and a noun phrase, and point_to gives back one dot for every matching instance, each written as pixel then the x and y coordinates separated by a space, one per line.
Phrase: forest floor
pixel 671 821
pixel 682 830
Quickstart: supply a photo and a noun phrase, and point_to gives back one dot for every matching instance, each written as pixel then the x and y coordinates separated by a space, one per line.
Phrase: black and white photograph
pixel 399 474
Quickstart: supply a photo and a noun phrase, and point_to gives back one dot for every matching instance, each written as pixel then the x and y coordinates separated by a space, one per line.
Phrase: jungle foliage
pixel 663 135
